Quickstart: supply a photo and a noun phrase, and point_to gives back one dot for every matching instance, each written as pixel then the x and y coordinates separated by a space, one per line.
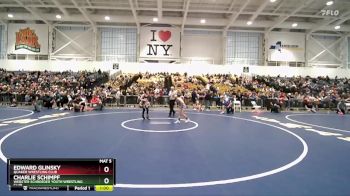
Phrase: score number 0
pixel 106 170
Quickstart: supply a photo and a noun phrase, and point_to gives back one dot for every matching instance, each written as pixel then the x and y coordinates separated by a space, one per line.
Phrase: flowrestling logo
pixel 329 12
pixel 279 46
pixel 27 39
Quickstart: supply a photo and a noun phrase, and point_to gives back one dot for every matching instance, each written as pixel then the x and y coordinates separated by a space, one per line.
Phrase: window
pixel 118 44
pixel 2 42
pixel 244 48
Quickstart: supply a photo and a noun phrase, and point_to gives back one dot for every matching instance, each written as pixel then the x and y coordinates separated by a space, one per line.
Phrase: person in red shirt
pixel 96 102
pixel 282 99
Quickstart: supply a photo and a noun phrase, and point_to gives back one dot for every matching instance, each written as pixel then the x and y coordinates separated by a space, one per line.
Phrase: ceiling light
pixel 155 19
pixel 107 18
pixel 10 15
pixel 337 27
pixel 58 16
pixel 294 24
pixel 272 1
pixel 329 3
pixel 249 22
pixel 203 21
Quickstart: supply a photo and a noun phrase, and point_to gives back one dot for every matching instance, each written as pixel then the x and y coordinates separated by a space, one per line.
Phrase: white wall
pixel 119 44
pixel 302 71
pixel 202 46
pixel 33 65
pixel 191 69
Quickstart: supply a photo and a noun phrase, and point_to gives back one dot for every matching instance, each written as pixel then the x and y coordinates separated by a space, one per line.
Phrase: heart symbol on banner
pixel 164 35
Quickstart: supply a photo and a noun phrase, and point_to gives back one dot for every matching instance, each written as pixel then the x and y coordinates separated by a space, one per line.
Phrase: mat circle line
pixel 12 118
pixel 157 131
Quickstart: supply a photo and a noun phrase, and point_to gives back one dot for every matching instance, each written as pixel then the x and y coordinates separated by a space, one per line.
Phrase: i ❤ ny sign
pixel 160 42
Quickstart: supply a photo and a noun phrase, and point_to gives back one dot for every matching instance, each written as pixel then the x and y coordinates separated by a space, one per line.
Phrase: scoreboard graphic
pixel 61 174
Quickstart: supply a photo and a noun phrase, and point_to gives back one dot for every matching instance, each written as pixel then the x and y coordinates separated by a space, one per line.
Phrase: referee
pixel 172 97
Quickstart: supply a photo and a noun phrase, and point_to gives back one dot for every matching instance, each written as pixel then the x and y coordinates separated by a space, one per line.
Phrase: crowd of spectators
pixel 64 89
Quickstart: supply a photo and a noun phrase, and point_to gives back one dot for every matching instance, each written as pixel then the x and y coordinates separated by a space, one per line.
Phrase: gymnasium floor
pixel 248 153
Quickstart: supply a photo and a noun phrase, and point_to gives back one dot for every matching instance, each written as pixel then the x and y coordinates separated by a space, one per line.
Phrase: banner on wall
pixel 28 39
pixel 285 46
pixel 160 42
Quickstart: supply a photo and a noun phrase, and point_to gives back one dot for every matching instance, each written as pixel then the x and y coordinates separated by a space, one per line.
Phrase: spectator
pixel 207 99
pixel 117 97
pixel 61 88
pixel 48 100
pixel 96 103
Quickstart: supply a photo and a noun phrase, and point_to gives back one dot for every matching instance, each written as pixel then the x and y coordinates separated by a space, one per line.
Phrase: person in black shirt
pixel 194 98
pixel 78 103
pixel 37 103
pixel 207 99
pixel 172 97
pixel 48 101
pixel 341 107
pixel 59 100
pixel 275 106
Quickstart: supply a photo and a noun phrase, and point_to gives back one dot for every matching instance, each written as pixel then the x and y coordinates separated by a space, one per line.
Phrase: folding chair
pixel 237 104
pixel 347 107
pixel 255 106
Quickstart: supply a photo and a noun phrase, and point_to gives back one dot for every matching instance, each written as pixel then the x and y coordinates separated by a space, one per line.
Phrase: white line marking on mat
pixel 30 113
pixel 330 128
pixel 159 123
pixel 157 131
